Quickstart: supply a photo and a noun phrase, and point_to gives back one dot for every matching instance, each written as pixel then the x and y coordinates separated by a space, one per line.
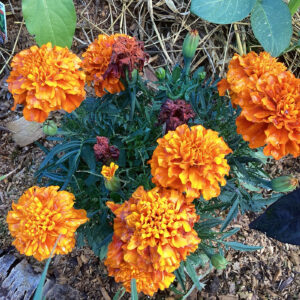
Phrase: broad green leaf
pixel 50 21
pixel 134 294
pixel 222 11
pixel 293 6
pixel 272 25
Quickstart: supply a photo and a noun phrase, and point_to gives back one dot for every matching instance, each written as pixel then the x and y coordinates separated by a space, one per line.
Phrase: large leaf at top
pixel 272 25
pixel 281 220
pixel 222 11
pixel 50 21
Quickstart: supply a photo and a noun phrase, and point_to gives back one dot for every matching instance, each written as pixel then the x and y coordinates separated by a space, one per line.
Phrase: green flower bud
pixel 160 73
pixel 190 44
pixel 219 261
pixel 50 127
pixel 112 185
pixel 284 183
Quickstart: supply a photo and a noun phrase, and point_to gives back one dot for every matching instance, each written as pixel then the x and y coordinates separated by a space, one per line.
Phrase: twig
pixel 238 39
pixel 13 50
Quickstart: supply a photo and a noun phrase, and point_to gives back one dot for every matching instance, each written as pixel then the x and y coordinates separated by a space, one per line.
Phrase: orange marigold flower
pixel 270 100
pixel 153 233
pixel 46 79
pixel 191 161
pixel 109 172
pixel 40 217
pixel 105 60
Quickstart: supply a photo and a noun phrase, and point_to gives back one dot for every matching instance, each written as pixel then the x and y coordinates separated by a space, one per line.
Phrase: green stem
pixel 132 93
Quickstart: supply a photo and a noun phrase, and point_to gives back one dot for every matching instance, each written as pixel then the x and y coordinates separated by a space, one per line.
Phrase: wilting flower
pixel 40 217
pixel 191 161
pixel 107 58
pixel 46 79
pixel 175 113
pixel 270 100
pixel 153 233
pixel 105 152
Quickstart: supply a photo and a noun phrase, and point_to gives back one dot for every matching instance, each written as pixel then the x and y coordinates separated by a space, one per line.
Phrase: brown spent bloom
pixel 175 113
pixel 104 152
pixel 127 54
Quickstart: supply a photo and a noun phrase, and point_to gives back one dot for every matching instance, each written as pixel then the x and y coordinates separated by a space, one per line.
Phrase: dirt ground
pixel 271 273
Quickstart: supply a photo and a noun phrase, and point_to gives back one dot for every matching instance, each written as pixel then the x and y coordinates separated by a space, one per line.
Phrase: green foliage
pixel 270 19
pixel 134 294
pixel 294 6
pixel 50 21
pixel 222 11
pixel 272 25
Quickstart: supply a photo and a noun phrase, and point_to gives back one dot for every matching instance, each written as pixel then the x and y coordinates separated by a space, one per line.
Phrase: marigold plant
pixel 191 160
pixel 40 217
pixel 153 232
pixel 270 100
pixel 46 79
pixel 107 58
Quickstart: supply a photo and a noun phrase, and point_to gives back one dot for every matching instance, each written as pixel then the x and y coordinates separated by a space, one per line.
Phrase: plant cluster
pixel 143 163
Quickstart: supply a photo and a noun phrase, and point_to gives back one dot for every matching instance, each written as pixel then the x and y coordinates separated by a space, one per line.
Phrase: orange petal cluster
pixel 153 233
pixel 270 100
pixel 191 160
pixel 105 60
pixel 46 79
pixel 108 172
pixel 40 217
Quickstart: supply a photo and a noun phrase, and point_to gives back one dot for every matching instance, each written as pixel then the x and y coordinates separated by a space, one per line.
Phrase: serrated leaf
pixel 281 220
pixel 241 247
pixel 222 11
pixel 192 273
pixel 180 276
pixel 50 21
pixel 231 214
pixel 272 25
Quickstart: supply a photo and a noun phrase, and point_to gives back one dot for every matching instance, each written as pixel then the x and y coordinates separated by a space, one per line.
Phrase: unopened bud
pixel 284 183
pixel 219 261
pixel 50 127
pixel 190 44
pixel 112 185
pixel 160 73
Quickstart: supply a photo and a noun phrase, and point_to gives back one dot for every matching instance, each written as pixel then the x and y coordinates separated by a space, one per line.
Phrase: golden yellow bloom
pixel 40 217
pixel 109 172
pixel 191 161
pixel 46 79
pixel 153 233
pixel 270 100
pixel 107 57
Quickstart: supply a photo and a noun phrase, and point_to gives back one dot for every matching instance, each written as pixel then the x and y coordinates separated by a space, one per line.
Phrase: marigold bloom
pixel 270 100
pixel 191 161
pixel 105 60
pixel 46 79
pixel 40 217
pixel 175 113
pixel 153 233
pixel 109 172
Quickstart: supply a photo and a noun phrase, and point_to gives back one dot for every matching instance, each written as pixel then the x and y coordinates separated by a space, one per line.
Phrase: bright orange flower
pixel 105 60
pixel 153 233
pixel 40 217
pixel 109 172
pixel 270 100
pixel 46 79
pixel 191 161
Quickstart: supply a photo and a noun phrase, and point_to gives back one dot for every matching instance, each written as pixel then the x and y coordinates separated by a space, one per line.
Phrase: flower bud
pixel 219 261
pixel 112 185
pixel 190 44
pixel 160 73
pixel 284 183
pixel 50 127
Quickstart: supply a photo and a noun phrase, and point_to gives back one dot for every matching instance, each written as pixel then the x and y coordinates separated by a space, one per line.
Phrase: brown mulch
pixel 271 273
